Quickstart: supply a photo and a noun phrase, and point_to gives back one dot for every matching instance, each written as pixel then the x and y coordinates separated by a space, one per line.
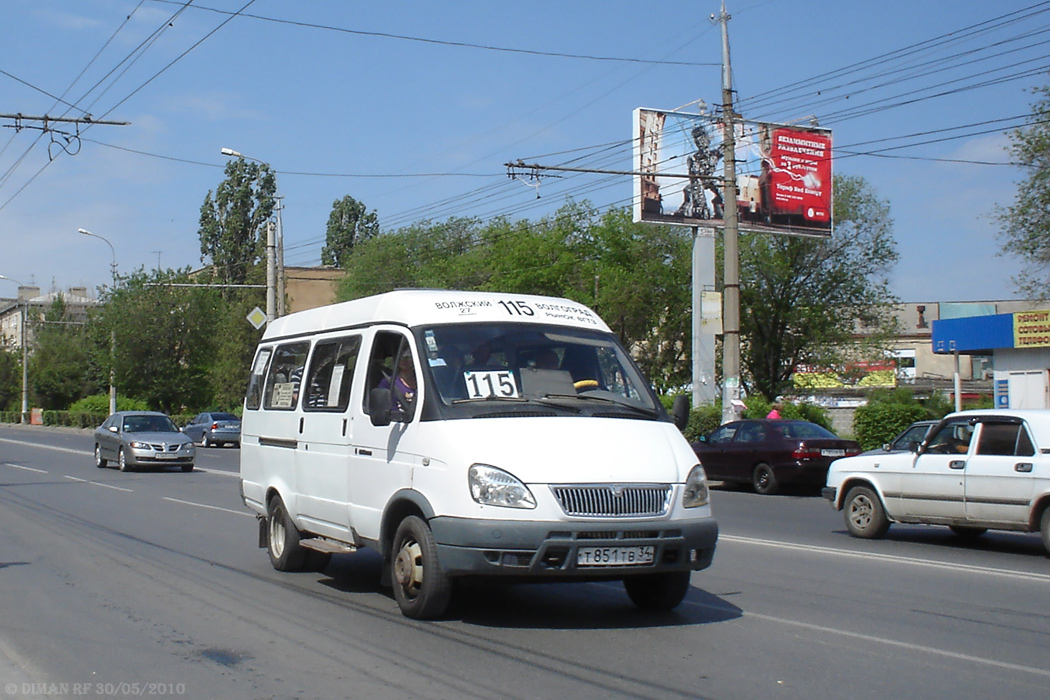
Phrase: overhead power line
pixel 446 42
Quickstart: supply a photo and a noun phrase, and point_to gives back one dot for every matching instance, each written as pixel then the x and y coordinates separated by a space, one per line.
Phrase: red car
pixel 769 454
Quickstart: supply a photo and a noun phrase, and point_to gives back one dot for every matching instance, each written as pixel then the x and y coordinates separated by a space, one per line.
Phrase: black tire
pixel 764 481
pixel 864 513
pixel 658 592
pixel 421 588
pixel 187 467
pixel 204 439
pixel 122 461
pixel 1044 529
pixel 968 532
pixel 99 462
pixel 282 541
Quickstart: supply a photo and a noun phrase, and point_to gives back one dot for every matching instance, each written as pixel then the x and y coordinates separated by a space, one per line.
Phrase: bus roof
pixel 431 307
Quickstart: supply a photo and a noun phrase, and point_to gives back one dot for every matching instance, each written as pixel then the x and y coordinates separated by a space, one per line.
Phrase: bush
pixel 702 421
pixel 758 407
pixel 889 411
pixel 99 403
pixel 75 419
pixel 878 423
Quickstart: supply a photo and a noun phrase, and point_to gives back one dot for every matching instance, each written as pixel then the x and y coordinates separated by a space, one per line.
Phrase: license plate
pixel 832 453
pixel 615 556
pixel 166 455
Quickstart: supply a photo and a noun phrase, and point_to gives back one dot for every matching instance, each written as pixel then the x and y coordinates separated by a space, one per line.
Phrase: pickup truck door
pixel 935 486
pixel 1000 476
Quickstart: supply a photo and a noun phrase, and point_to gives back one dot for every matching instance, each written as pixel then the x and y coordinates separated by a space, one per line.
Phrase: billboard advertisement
pixel 783 173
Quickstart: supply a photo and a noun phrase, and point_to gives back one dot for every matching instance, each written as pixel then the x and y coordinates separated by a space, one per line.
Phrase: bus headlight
pixel 490 486
pixel 695 493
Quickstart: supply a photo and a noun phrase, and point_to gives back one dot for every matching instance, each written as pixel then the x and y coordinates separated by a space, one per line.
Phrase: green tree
pixel 234 349
pixel 60 366
pixel 802 299
pixel 10 380
pixel 1026 222
pixel 233 220
pixel 425 254
pixel 165 339
pixel 348 224
pixel 636 276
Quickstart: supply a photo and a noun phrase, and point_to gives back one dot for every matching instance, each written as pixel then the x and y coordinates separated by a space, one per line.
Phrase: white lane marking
pixel 23 443
pixel 28 469
pixel 92 454
pixel 888 642
pixel 97 483
pixel 205 505
pixel 894 558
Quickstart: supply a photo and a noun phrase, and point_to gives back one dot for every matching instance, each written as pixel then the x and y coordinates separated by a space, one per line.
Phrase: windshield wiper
pixel 606 399
pixel 542 400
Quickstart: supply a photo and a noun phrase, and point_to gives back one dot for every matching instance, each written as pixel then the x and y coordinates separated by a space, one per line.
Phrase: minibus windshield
pixel 578 370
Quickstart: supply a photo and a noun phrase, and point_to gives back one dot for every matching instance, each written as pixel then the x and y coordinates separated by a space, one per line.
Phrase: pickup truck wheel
pixel 865 516
pixel 764 481
pixel 283 539
pixel 421 588
pixel 1044 528
pixel 968 532
pixel 658 591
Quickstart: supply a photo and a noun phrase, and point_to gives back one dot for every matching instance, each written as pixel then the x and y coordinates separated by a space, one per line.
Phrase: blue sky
pixel 414 107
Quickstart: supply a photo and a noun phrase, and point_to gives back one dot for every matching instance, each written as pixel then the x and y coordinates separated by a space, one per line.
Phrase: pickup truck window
pixel 1009 439
pixel 952 438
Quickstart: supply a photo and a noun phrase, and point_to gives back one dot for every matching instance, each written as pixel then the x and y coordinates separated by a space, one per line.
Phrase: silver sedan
pixel 142 438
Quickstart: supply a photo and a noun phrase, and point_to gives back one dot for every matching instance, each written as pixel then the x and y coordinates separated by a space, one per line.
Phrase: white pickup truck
pixel 975 471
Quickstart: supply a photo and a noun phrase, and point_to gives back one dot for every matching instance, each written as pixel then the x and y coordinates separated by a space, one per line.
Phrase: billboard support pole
pixel 703 360
pixel 731 238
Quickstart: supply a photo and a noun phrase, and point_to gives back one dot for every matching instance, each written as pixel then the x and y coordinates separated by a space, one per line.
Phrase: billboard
pixel 783 173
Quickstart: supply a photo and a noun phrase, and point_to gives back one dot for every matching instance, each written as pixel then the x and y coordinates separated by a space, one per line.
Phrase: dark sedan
pixel 209 429
pixel 769 454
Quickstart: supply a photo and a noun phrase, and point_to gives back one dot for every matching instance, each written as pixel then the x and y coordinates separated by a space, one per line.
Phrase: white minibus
pixel 469 435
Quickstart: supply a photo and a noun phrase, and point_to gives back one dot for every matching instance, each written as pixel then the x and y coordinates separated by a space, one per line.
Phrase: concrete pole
pixel 271 272
pixel 957 383
pixel 731 235
pixel 280 259
pixel 25 364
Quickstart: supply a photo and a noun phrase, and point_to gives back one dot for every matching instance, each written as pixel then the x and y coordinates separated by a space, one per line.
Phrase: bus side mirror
pixel 379 407
pixel 680 411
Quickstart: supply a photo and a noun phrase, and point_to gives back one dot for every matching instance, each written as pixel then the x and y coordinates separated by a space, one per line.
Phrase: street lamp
pixel 273 279
pixel 113 333
pixel 25 365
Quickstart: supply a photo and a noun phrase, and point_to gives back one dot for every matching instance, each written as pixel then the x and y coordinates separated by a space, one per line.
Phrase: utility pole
pixel 731 240
pixel 280 258
pixel 271 272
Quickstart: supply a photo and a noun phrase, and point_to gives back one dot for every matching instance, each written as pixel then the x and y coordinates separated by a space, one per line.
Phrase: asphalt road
pixel 150 584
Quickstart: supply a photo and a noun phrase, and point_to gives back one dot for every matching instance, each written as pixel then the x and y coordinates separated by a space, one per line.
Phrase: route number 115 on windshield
pixel 491 383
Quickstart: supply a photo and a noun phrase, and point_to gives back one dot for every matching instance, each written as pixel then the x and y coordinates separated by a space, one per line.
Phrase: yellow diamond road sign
pixel 257 318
